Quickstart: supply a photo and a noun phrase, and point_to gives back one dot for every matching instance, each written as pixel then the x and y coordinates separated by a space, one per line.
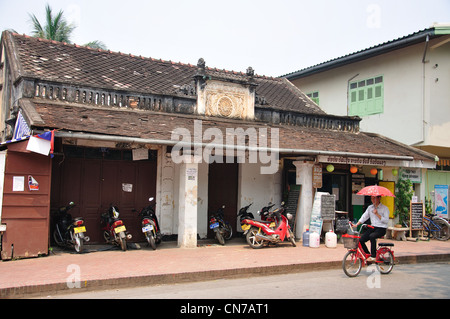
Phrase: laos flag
pixel 42 143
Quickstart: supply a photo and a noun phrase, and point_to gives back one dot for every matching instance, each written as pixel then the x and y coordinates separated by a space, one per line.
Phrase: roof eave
pixel 363 55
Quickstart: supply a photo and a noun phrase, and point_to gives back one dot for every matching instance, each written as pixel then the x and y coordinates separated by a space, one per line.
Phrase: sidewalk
pixel 104 268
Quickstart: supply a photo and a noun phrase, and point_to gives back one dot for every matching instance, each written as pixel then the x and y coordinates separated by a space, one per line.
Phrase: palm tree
pixel 58 29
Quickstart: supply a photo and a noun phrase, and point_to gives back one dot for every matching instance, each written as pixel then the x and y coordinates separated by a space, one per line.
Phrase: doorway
pixel 223 190
pixel 337 184
pixel 95 178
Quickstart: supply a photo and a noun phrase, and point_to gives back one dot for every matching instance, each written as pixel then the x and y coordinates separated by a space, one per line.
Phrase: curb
pixel 149 280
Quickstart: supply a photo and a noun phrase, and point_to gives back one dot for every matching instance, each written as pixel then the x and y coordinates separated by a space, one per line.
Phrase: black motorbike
pixel 221 227
pixel 245 214
pixel 150 226
pixel 69 232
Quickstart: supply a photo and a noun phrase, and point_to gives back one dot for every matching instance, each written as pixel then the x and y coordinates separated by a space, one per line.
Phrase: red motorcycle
pixel 273 229
pixel 114 231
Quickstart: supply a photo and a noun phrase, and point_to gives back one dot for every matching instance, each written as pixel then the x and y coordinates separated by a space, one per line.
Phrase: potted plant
pixel 403 196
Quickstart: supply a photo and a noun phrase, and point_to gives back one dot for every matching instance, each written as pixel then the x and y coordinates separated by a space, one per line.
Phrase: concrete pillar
pixel 188 194
pixel 304 174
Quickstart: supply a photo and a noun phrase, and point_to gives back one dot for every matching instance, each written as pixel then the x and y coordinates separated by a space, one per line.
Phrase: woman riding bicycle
pixel 379 217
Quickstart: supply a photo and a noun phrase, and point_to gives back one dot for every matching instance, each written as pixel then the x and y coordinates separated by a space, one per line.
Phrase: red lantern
pixel 353 169
pixel 373 171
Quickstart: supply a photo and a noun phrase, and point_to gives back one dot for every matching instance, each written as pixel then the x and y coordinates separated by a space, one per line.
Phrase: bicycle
pixel 436 227
pixel 356 258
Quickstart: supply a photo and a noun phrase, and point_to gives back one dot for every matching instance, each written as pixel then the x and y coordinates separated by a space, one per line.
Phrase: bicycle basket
pixel 350 241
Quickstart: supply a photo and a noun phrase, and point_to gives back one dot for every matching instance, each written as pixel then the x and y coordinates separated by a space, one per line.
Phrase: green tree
pixel 57 28
pixel 403 197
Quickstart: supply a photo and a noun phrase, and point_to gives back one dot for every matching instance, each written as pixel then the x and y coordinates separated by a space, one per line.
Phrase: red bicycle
pixel 356 258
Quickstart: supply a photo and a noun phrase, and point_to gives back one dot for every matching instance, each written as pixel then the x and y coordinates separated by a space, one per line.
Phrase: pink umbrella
pixel 375 190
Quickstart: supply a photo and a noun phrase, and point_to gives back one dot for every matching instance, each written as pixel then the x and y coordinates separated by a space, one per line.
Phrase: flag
pixel 21 128
pixel 42 143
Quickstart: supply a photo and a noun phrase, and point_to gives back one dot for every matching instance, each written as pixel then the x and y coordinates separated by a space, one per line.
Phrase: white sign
pixel 376 161
pixel 414 175
pixel 140 154
pixel 127 187
pixel 18 183
pixel 39 145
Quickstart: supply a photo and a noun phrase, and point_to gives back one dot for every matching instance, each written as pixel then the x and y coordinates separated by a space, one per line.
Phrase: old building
pixel 194 137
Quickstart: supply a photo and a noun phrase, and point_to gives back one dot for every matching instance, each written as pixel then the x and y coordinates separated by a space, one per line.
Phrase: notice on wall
pixel 140 154
pixel 18 183
pixel 33 184
pixel 126 187
pixel 191 174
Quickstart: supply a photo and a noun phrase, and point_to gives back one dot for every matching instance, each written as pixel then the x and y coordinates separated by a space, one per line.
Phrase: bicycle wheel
pixel 442 233
pixel 385 260
pixel 426 229
pixel 351 264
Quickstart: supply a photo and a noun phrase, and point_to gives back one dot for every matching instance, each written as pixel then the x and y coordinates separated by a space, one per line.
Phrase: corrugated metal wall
pixel 25 212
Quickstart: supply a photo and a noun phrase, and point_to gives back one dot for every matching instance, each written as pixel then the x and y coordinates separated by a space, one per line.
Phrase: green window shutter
pixel 366 97
pixel 314 96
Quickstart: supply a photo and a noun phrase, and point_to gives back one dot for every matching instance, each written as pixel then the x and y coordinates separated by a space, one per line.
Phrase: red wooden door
pixel 96 183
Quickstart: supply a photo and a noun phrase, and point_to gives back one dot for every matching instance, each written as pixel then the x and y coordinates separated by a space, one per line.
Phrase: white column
pixel 304 173
pixel 188 194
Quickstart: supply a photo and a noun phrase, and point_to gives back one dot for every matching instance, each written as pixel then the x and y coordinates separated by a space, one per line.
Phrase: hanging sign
pixel 317 176
pixel 413 174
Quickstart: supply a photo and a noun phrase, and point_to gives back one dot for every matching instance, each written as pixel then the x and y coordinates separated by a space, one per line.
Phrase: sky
pixel 273 37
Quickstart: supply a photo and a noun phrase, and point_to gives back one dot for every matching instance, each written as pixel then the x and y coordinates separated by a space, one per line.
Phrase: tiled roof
pixel 159 125
pixel 83 66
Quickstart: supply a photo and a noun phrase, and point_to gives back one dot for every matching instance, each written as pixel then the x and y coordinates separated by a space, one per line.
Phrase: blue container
pixel 305 238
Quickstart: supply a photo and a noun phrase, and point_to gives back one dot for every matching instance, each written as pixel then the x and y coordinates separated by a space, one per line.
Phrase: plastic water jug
pixel 305 238
pixel 330 239
pixel 314 240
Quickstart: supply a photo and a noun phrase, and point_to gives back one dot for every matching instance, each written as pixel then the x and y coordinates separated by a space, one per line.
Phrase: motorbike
pixel 69 232
pixel 221 227
pixel 273 229
pixel 245 214
pixel 114 231
pixel 150 226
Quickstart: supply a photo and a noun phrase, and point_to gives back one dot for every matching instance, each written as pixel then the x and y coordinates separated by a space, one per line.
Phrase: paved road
pixel 405 281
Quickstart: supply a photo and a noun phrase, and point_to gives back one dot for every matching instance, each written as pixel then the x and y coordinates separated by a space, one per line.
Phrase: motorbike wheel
pixel 107 237
pixel 292 238
pixel 78 243
pixel 228 231
pixel 220 237
pixel 123 241
pixel 57 239
pixel 151 240
pixel 252 240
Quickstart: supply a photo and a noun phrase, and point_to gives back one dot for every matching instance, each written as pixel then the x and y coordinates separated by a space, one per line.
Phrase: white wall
pixel 252 187
pixel 412 96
